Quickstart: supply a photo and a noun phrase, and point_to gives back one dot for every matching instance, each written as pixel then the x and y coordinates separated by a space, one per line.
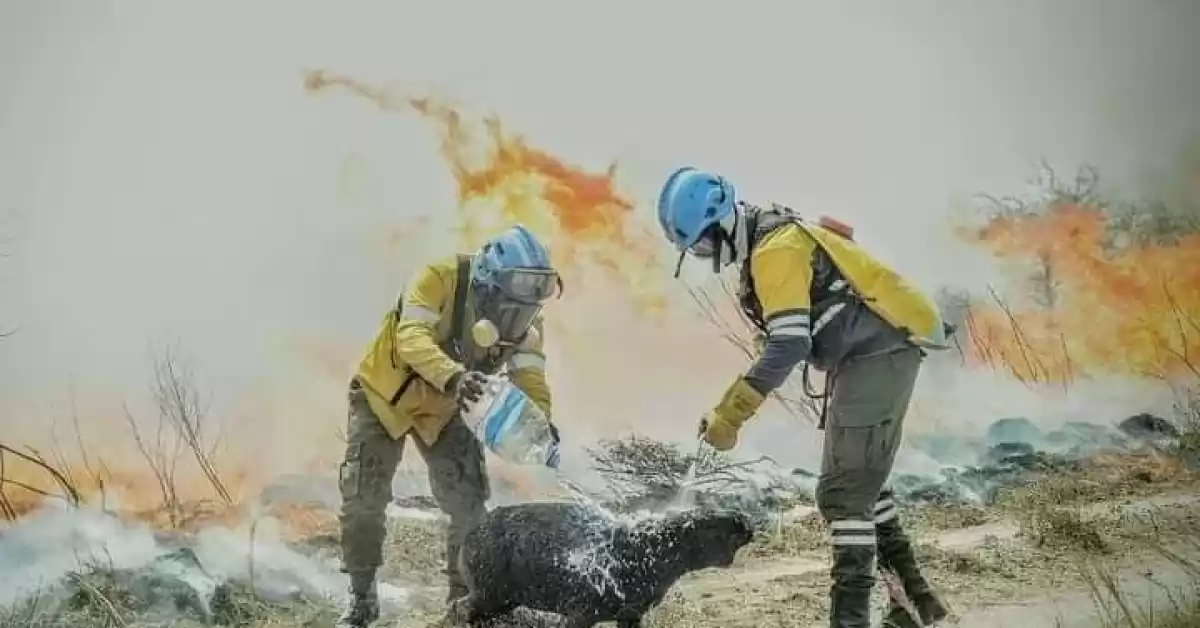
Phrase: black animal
pixel 584 565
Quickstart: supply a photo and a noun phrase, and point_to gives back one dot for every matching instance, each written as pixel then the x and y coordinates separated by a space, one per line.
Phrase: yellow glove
pixel 720 427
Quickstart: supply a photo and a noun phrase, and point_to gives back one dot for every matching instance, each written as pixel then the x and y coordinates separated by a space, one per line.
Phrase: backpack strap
pixel 452 345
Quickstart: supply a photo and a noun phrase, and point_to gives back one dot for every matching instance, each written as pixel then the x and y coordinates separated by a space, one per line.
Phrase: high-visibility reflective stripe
pixel 885 510
pixel 838 285
pixel 851 524
pixel 857 539
pixel 852 532
pixel 788 320
pixel 418 313
pixel 827 316
pixel 789 332
pixel 527 361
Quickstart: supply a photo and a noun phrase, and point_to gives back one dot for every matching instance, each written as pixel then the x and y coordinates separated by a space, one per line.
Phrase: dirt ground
pixel 1023 561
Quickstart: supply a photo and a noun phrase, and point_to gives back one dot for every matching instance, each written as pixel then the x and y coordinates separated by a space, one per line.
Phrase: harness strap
pixel 457 315
pixel 453 343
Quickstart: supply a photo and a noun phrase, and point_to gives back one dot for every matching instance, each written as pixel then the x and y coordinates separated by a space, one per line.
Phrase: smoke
pixel 38 551
pixel 42 548
pixel 181 189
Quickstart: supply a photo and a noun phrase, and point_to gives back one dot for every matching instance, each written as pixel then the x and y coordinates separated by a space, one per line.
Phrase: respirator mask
pixel 717 243
pixel 508 304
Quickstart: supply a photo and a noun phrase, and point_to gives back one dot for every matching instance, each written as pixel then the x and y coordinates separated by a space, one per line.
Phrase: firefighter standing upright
pixel 461 318
pixel 819 298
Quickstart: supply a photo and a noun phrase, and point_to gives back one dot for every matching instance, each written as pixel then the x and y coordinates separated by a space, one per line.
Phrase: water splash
pixel 689 478
pixel 595 562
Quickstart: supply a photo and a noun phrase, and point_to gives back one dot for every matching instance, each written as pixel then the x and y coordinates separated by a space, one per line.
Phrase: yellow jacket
pixel 782 270
pixel 802 286
pixel 405 369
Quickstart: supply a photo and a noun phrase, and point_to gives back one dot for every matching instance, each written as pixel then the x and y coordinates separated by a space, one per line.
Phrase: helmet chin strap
pixel 726 236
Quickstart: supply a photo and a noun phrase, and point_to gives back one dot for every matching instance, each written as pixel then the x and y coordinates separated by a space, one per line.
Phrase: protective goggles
pixel 530 286
pixel 706 247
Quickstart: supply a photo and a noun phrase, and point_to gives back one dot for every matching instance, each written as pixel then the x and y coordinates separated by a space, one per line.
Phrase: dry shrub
pixel 1117 608
pixel 414 550
pixel 797 537
pixel 947 517
pixel 1187 416
pixel 1049 514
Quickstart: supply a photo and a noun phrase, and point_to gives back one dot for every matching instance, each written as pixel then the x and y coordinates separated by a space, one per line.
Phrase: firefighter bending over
pixel 817 297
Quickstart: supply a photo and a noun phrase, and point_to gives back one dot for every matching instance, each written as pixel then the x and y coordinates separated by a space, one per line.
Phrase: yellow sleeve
pixel 781 268
pixel 428 298
pixel 527 368
pixel 782 273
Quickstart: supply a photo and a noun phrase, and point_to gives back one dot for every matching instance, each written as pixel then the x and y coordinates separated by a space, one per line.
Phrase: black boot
pixel 853 577
pixel 362 605
pixel 896 555
pixel 456 590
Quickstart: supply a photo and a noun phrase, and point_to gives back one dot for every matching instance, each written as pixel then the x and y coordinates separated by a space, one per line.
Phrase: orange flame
pixel 1132 310
pixel 500 176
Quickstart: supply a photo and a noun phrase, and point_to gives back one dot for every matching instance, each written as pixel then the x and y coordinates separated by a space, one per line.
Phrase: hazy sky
pixel 162 171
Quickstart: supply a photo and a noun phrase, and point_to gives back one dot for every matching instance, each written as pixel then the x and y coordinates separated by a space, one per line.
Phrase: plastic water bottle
pixel 511 425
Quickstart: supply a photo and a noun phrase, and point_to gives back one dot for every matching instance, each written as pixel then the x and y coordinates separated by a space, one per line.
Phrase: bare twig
pixel 162 465
pixel 799 406
pixel 70 492
pixel 6 507
pixel 1031 362
pixel 174 391
pixel 1180 320
pixel 250 551
pixel 93 471
pixel 100 599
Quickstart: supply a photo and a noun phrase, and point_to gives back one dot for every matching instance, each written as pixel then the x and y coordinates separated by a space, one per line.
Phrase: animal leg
pixel 579 621
pixel 473 609
pixel 628 618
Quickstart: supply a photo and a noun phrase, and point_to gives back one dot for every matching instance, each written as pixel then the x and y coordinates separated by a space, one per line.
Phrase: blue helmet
pixel 515 265
pixel 690 202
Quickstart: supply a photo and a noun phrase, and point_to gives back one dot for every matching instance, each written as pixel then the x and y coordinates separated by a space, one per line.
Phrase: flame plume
pixel 502 179
pixel 1100 309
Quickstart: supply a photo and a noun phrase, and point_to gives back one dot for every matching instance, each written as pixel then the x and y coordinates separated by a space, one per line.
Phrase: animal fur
pixel 585 566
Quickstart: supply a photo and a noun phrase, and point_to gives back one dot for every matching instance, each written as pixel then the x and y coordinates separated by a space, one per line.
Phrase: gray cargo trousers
pixel 457 477
pixel 868 402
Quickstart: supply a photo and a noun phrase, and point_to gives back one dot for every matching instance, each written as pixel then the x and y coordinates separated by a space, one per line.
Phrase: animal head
pixel 713 537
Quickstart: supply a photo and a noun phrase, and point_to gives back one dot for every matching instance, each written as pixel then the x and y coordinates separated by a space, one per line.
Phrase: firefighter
pixel 460 319
pixel 817 297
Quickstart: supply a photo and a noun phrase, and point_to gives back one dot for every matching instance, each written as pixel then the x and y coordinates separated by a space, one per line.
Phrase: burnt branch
pixel 6 506
pixel 178 399
pixel 1032 363
pixel 641 467
pixel 69 493
pixel 162 459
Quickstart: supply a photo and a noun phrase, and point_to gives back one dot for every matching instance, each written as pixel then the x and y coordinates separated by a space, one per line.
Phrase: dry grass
pixel 100 597
pixel 1187 417
pixel 796 537
pixel 1118 610
pixel 946 517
